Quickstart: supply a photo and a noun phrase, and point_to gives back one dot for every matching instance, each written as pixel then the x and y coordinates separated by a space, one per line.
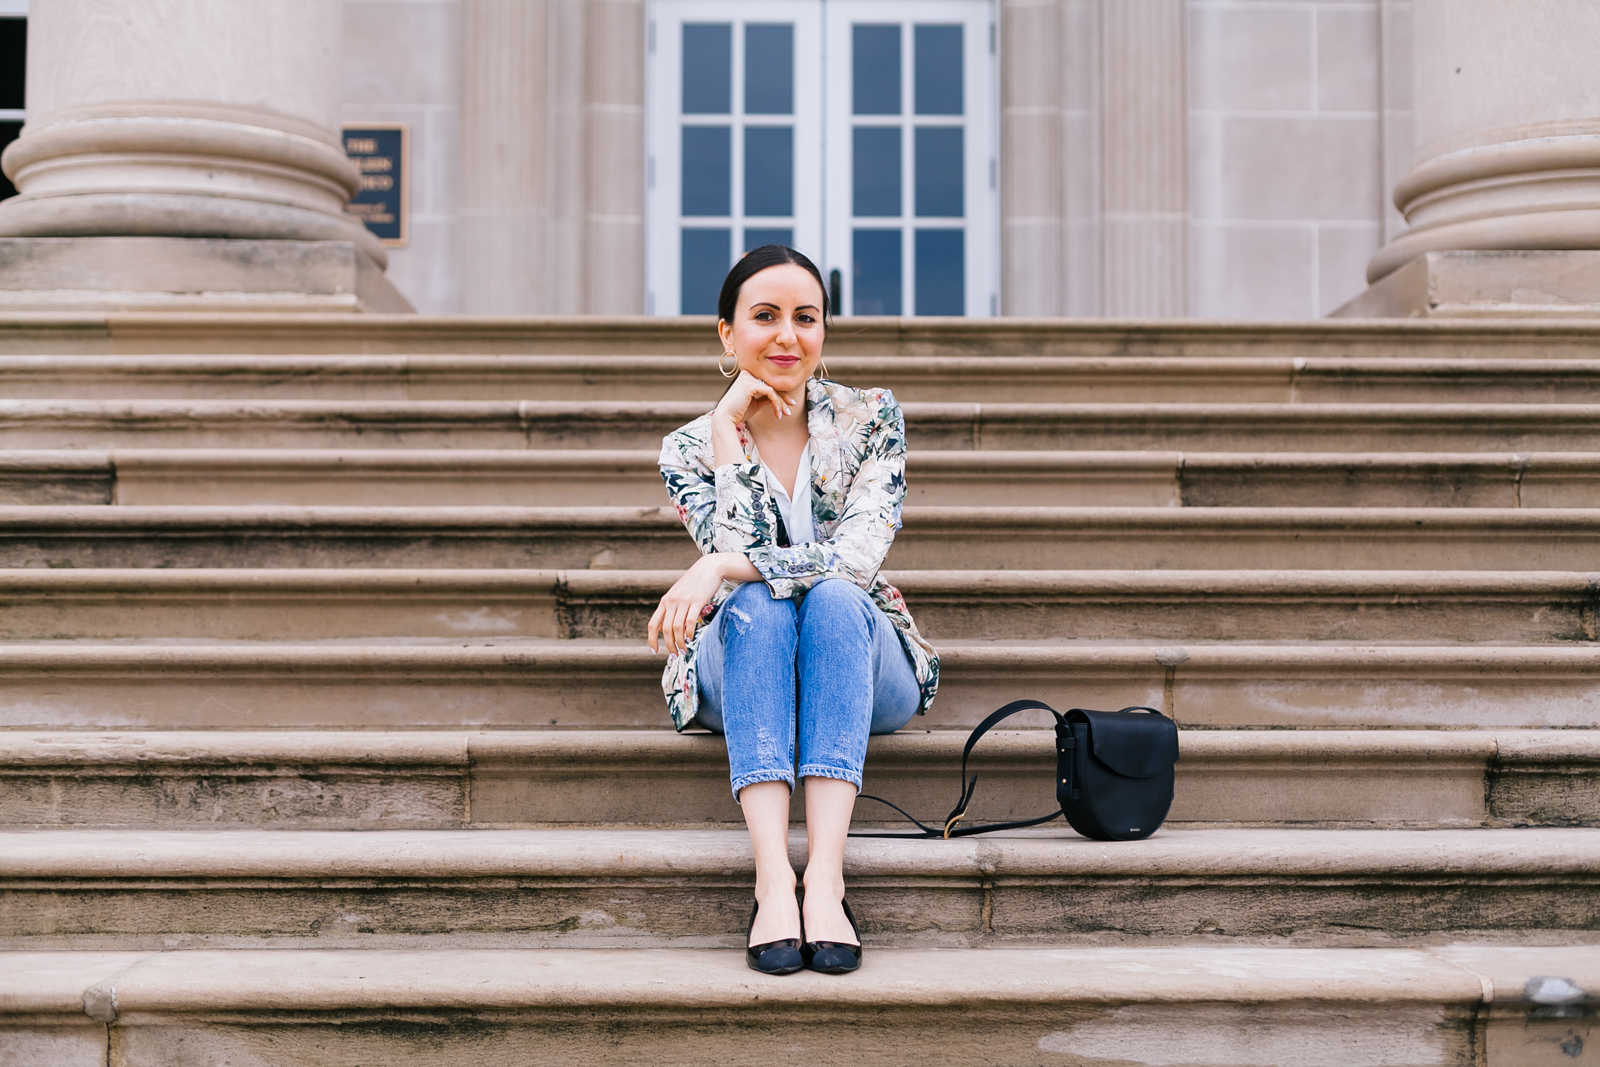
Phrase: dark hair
pixel 754 262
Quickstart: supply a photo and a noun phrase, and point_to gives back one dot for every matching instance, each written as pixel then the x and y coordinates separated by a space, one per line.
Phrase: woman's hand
pixel 676 617
pixel 748 393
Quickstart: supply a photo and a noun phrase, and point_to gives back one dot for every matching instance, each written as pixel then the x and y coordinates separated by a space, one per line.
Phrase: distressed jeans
pixel 830 654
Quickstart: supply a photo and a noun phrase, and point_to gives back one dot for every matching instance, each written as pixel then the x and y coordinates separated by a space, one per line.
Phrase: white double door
pixel 861 132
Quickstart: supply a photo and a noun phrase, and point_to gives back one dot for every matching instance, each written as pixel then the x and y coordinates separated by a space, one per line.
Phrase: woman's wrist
pixel 732 566
pixel 725 442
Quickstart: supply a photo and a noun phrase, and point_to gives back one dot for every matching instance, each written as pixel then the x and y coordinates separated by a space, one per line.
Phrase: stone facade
pixel 1232 159
pixel 1281 123
pixel 1267 203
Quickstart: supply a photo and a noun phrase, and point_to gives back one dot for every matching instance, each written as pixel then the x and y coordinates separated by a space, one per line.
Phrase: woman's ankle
pixel 775 887
pixel 824 887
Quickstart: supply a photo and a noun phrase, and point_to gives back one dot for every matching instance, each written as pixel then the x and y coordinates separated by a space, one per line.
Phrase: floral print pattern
pixel 858 484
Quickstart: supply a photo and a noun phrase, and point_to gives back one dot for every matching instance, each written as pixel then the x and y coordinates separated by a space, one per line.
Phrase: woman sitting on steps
pixel 792 490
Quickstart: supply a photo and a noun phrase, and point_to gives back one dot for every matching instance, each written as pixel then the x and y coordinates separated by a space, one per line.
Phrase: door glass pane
pixel 707 170
pixel 875 70
pixel 849 129
pixel 875 169
pixel 769 170
pixel 939 171
pixel 13 62
pixel 941 272
pixel 9 131
pixel 707 68
pixel 937 71
pixel 769 69
pixel 755 238
pixel 705 262
pixel 876 272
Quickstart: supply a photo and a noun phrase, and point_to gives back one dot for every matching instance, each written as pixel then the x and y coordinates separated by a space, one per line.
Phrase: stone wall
pixel 402 64
pixel 1286 153
pixel 1299 125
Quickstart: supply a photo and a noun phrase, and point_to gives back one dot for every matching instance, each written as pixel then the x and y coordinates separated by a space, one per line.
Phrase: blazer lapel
pixel 828 488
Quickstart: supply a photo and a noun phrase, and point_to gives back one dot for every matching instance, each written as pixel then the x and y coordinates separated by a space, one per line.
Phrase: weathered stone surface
pixel 917 338
pixel 1491 367
pixel 509 888
pixel 1542 284
pixel 330 779
pixel 932 538
pixel 153 273
pixel 1363 1007
pixel 623 477
pixel 550 424
pixel 570 684
pixel 209 697
pixel 479 605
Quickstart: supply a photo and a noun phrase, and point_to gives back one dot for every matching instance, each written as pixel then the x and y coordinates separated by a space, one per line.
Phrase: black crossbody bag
pixel 1114 774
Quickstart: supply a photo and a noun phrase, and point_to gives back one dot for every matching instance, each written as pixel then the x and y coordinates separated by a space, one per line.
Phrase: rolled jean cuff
pixel 843 774
pixel 757 777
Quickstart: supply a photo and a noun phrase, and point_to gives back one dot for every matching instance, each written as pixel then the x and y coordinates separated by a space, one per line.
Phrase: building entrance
pixel 862 132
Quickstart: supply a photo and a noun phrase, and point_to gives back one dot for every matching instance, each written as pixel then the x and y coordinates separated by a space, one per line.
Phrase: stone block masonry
pixel 326 732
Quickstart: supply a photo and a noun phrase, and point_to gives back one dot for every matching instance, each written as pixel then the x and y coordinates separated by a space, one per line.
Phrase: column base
pixel 1484 284
pixel 190 274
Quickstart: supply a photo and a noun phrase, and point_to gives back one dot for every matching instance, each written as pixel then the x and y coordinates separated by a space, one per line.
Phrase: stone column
pixel 1094 161
pixel 614 157
pixel 1144 157
pixel 1507 127
pixel 194 125
pixel 1032 202
pixel 503 187
pixel 552 156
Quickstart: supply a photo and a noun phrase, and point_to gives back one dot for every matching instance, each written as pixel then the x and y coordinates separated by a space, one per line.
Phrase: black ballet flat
pixel 774 957
pixel 834 957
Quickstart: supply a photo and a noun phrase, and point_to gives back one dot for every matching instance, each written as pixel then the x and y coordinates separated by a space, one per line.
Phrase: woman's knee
pixel 752 606
pixel 836 596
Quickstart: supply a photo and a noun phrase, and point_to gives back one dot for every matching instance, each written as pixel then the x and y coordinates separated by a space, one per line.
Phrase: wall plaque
pixel 380 152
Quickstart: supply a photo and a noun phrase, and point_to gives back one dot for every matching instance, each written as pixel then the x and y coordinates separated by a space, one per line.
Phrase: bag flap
pixel 1135 744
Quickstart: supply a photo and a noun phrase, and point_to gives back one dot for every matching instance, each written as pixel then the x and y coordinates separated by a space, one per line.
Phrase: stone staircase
pixel 270 580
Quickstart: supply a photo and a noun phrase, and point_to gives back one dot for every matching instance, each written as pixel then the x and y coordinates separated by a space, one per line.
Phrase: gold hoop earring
pixel 822 369
pixel 734 373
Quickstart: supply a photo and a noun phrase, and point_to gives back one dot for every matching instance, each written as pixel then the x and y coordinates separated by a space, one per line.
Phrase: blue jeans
pixel 854 679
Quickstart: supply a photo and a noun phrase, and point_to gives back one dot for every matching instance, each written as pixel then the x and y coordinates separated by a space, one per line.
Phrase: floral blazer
pixel 858 461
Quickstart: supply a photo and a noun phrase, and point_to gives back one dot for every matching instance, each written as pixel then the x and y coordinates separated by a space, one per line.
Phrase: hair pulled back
pixel 754 262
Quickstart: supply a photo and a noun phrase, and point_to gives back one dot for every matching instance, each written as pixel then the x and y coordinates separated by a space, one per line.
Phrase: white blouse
pixel 799 522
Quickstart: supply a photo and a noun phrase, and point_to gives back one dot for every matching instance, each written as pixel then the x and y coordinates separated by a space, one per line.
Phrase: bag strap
pixel 959 812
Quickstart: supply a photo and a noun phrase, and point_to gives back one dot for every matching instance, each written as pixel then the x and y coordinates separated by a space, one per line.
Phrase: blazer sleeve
pixel 726 509
pixel 867 525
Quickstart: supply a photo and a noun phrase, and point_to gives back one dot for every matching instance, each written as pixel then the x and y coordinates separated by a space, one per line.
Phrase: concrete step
pixel 441 779
pixel 1458 1005
pixel 589 685
pixel 621 477
pixel 149 889
pixel 933 538
pixel 986 378
pixel 544 424
pixel 912 338
pixel 1447 607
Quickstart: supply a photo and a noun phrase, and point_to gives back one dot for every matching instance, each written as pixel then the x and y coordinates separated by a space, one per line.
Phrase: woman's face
pixel 777 329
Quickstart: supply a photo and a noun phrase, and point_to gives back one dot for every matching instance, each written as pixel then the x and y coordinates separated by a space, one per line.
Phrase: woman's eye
pixel 763 316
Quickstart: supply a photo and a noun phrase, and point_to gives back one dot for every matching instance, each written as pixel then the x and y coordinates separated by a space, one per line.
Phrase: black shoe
pixel 834 957
pixel 774 957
